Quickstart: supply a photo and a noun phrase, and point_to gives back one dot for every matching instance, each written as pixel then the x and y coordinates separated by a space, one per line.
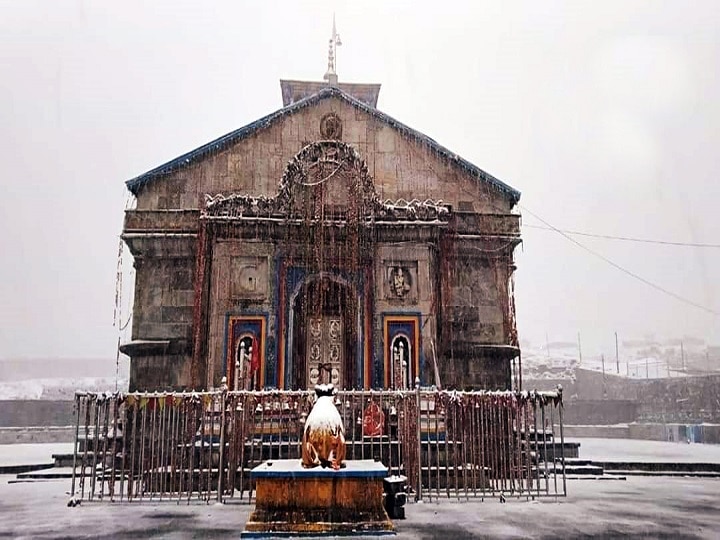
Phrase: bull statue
pixel 324 435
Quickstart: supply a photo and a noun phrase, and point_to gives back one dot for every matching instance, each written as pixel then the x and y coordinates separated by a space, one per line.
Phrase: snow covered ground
pixel 30 454
pixel 538 364
pixel 646 451
pixel 638 507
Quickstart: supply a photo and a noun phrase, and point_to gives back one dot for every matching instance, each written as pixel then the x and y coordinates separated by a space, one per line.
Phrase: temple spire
pixel 334 42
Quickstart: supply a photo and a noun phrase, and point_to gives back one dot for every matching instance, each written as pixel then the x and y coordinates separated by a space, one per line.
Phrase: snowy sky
pixel 605 115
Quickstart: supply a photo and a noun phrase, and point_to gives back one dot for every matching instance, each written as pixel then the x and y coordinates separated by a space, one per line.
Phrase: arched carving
pixel 401 362
pixel 306 186
pixel 325 181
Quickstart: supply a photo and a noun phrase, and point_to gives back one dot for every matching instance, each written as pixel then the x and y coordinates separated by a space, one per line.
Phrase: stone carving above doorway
pixel 332 168
pixel 401 281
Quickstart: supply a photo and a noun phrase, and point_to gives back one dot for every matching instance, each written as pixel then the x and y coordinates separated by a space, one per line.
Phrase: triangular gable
pixel 233 137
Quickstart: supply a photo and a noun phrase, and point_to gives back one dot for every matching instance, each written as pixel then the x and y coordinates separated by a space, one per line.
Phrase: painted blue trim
pixel 328 534
pixel 252 313
pixel 233 137
pixel 292 468
pixel 421 352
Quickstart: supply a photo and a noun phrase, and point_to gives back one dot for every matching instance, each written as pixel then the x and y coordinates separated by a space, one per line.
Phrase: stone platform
pixel 293 501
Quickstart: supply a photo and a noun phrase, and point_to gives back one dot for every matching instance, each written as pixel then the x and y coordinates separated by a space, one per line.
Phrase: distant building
pixel 324 242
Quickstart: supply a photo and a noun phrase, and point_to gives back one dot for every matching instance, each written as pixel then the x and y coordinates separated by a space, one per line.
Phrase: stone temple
pixel 324 242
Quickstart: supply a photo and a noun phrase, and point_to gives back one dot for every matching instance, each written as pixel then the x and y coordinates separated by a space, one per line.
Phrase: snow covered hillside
pixel 57 388
pixel 637 359
pixel 59 378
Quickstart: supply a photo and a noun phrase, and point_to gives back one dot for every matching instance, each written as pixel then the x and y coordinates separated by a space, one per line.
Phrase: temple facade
pixel 325 242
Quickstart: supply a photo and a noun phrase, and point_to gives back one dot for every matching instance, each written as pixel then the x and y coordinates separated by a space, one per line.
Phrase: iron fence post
pixel 418 495
pixel 75 446
pixel 223 402
pixel 562 439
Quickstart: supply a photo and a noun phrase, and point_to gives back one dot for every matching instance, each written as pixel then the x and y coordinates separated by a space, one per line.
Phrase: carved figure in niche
pixel 324 434
pixel 247 362
pixel 399 281
pixel 401 356
pixel 331 127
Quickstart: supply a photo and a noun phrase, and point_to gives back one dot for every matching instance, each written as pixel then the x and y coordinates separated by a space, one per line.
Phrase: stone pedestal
pixel 293 501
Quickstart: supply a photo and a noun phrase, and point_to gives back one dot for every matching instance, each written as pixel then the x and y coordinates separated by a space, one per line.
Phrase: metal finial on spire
pixel 331 75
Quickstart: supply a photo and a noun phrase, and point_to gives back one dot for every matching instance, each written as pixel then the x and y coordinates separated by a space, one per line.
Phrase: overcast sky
pixel 605 115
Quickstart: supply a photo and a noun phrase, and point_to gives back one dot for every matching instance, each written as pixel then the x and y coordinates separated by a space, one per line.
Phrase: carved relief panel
pixel 325 351
pixel 400 281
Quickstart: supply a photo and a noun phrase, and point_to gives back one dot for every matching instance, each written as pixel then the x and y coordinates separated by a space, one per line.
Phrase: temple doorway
pixel 324 350
pixel 324 333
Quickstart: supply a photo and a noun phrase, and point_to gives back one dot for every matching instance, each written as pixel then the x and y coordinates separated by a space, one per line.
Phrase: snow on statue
pixel 324 435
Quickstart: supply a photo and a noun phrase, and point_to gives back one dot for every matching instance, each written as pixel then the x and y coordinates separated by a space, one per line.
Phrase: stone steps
pixel 24 468
pixel 592 470
pixel 657 466
pixel 49 474
pixel 692 474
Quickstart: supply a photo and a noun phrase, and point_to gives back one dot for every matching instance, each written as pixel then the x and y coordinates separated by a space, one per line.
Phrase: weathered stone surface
pixel 291 499
pixel 158 373
pixel 411 170
pixel 690 400
pixel 455 267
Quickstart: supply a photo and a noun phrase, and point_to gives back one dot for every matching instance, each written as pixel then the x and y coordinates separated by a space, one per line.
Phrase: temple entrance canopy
pixel 321 222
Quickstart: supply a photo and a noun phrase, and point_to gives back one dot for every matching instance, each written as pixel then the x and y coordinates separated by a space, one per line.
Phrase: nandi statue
pixel 324 435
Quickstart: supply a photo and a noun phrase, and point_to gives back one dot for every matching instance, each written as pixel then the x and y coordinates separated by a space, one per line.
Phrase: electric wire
pixel 624 238
pixel 621 268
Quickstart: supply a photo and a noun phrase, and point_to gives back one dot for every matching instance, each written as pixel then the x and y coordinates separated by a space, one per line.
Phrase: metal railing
pixel 202 446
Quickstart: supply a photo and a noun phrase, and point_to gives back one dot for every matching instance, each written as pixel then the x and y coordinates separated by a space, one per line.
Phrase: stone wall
pixel 37 434
pixel 233 262
pixel 160 372
pixel 467 371
pixel 688 400
pixel 588 385
pixel 22 413
pixel 164 298
pixel 698 433
pixel 474 303
pixel 599 412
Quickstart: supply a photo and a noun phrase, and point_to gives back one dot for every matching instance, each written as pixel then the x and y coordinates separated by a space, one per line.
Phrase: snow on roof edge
pixel 225 141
